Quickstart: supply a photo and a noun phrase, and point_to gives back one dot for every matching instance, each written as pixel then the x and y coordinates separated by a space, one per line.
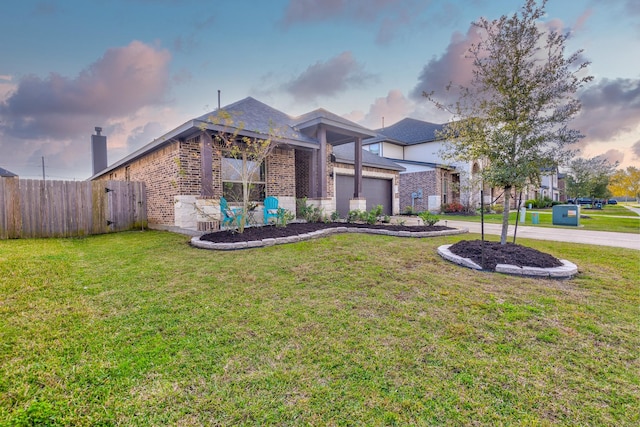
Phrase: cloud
pixel 391 108
pixel 613 156
pixel 632 7
pixel 328 78
pixel 454 66
pixel 610 108
pixel 55 116
pixel 124 80
pixel 45 8
pixel 635 149
pixel 142 135
pixel 389 17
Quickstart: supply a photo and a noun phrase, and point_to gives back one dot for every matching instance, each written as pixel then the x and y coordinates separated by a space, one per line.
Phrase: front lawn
pixel 139 328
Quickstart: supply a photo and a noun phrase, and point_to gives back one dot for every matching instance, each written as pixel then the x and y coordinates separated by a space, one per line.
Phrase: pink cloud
pixel 122 81
pixel 55 116
pixel 391 108
pixel 454 66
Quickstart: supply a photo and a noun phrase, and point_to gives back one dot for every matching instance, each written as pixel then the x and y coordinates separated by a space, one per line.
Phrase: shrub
pixel 408 210
pixel 309 212
pixel 498 209
pixel 284 217
pixel 428 218
pixel 453 207
pixel 353 216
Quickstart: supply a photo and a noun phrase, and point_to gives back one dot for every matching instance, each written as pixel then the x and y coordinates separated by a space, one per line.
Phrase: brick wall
pixel 175 170
pixel 159 171
pixel 413 181
pixel 281 175
pixel 190 165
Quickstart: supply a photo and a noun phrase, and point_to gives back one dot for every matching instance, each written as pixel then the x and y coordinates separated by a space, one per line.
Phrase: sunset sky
pixel 139 68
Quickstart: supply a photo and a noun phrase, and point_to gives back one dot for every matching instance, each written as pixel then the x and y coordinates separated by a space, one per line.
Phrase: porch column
pixel 357 179
pixel 206 165
pixel 322 162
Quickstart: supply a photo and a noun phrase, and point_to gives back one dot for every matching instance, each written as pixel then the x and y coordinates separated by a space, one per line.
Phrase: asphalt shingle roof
pixel 258 117
pixel 6 174
pixel 411 131
pixel 346 153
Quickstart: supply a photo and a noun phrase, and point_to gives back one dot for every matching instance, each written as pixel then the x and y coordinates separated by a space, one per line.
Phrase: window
pixel 232 179
pixel 374 149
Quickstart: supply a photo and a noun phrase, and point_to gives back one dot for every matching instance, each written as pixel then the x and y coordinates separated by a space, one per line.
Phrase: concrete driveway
pixel 571 235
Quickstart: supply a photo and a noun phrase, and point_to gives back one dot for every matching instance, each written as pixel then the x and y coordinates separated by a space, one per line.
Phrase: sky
pixel 140 68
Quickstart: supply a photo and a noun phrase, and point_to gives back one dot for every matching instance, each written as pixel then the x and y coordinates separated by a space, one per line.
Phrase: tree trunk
pixel 245 194
pixel 505 216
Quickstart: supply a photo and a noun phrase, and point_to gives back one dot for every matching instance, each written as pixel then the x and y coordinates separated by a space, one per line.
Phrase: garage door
pixel 376 191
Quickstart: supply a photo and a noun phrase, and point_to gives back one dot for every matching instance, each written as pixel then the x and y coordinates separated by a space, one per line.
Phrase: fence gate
pixel 35 208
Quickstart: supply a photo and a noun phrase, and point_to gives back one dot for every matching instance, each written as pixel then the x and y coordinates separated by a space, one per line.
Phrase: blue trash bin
pixel 535 218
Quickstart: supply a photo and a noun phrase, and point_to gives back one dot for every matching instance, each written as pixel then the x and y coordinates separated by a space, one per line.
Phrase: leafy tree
pixel 589 177
pixel 625 183
pixel 248 152
pixel 515 112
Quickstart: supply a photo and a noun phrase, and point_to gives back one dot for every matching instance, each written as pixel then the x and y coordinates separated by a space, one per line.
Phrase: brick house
pixel 319 156
pixel 427 181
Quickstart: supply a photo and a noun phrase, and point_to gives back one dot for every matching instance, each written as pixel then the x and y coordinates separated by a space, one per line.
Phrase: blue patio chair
pixel 270 209
pixel 228 214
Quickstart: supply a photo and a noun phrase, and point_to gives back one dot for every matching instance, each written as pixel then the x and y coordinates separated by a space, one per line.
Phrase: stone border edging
pixel 203 244
pixel 567 270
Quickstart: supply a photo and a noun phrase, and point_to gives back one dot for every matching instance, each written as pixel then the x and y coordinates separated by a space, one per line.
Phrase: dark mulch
pixel 295 228
pixel 495 253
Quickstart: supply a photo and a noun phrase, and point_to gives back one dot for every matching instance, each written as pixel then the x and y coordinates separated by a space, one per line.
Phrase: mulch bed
pixel 295 228
pixel 494 253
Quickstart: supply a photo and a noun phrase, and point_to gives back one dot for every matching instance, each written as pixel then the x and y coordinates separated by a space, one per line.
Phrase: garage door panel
pixel 376 191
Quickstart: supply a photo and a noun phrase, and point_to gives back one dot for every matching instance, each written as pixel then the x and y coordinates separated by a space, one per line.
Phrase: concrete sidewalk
pixel 571 235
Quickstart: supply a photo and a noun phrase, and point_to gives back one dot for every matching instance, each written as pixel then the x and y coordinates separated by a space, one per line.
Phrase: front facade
pixel 427 183
pixel 186 175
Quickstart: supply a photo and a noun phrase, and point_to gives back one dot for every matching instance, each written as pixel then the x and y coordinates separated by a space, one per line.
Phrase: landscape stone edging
pixel 203 244
pixel 567 270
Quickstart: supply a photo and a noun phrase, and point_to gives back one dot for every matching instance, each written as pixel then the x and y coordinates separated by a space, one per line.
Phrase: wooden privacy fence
pixel 35 208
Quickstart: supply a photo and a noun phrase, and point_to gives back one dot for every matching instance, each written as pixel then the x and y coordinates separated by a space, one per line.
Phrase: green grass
pixel 614 218
pixel 139 328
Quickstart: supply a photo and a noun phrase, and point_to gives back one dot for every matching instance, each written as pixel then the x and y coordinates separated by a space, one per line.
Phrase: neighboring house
pixel 6 174
pixel 185 177
pixel 427 181
pixel 551 186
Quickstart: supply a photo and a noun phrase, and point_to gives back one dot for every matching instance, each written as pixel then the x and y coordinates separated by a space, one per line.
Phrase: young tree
pixel 589 177
pixel 625 183
pixel 247 154
pixel 516 110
